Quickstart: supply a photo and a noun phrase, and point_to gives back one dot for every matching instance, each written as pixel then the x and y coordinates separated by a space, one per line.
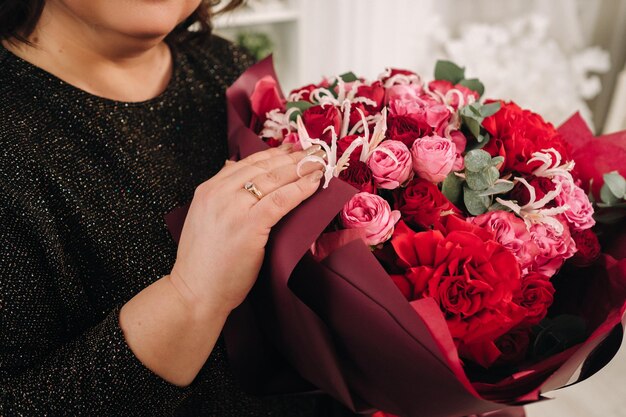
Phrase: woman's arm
pixel 140 358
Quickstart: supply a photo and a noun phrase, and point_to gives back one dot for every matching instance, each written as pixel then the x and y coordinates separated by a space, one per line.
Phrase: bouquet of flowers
pixel 442 258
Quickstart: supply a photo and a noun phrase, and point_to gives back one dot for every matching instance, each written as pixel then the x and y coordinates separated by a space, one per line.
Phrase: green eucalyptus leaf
pixel 607 196
pixel 474 84
pixel 477 160
pixel 446 70
pixel 490 109
pixel 497 160
pixel 452 188
pixel 498 188
pixel 493 174
pixel 477 181
pixel 498 207
pixel 616 183
pixel 474 203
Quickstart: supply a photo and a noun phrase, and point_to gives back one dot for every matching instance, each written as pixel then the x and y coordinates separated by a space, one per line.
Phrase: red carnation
pixel 517 133
pixel 471 277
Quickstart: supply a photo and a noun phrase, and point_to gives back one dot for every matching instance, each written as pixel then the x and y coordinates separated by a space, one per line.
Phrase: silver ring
pixel 251 188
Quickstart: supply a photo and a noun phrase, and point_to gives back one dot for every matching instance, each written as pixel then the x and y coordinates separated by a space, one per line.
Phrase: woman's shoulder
pixel 216 54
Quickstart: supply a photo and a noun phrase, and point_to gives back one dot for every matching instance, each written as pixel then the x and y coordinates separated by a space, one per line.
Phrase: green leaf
pixel 474 203
pixel 607 196
pixel 498 188
pixel 474 85
pixel 300 105
pixel 610 217
pixel 616 183
pixel 498 207
pixel 493 174
pixel 452 187
pixel 558 334
pixel 446 70
pixel 477 181
pixel 495 161
pixel 490 109
pixel 349 77
pixel 473 125
pixel 477 160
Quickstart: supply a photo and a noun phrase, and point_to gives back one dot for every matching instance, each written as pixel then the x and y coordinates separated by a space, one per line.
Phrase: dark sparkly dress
pixel 84 184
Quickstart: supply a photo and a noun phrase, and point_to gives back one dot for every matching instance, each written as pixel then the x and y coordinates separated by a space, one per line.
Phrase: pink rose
pixel 580 212
pixel 371 213
pixel 460 141
pixel 424 110
pixel 511 232
pixel 554 249
pixel 433 157
pixel 391 164
pixel 402 92
pixel 293 139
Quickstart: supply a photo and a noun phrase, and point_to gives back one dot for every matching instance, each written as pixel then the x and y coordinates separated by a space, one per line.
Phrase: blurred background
pixel 556 57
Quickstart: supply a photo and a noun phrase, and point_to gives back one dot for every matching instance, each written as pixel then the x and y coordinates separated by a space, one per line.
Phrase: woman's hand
pixel 223 239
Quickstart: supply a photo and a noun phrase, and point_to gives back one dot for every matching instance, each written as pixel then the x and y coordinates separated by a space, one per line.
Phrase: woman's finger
pixel 275 205
pixel 232 166
pixel 248 171
pixel 269 182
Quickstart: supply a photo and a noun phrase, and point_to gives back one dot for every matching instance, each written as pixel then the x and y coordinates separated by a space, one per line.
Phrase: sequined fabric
pixel 85 182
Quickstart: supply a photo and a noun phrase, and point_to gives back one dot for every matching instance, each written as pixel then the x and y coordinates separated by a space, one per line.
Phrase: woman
pixel 111 115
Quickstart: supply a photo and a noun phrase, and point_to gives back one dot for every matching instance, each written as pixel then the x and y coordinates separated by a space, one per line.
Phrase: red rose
pixel 318 118
pixel 406 129
pixel 542 186
pixel 266 97
pixel 587 245
pixel 536 296
pixel 516 134
pixel 303 93
pixel 359 176
pixel 344 143
pixel 422 204
pixel 513 346
pixel 396 71
pixel 374 92
pixel 473 280
pixel 443 86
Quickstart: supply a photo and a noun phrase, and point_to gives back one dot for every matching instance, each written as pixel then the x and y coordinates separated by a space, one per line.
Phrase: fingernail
pixel 286 146
pixel 313 149
pixel 317 176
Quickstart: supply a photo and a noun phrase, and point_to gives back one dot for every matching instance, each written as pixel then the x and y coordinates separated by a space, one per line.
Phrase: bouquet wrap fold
pixel 335 322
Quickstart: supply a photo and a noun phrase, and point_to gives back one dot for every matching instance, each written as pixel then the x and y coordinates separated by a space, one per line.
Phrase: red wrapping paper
pixel 337 323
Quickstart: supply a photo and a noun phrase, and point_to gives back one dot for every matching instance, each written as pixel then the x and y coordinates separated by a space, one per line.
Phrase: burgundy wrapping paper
pixel 341 326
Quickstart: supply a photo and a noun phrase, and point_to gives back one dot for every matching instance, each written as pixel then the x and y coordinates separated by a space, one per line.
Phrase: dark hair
pixel 18 18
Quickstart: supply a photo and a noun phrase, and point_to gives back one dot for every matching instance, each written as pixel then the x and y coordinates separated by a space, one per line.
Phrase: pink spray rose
pixel 425 110
pixel 554 249
pixel 391 164
pixel 371 213
pixel 433 157
pixel 580 212
pixel 511 232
